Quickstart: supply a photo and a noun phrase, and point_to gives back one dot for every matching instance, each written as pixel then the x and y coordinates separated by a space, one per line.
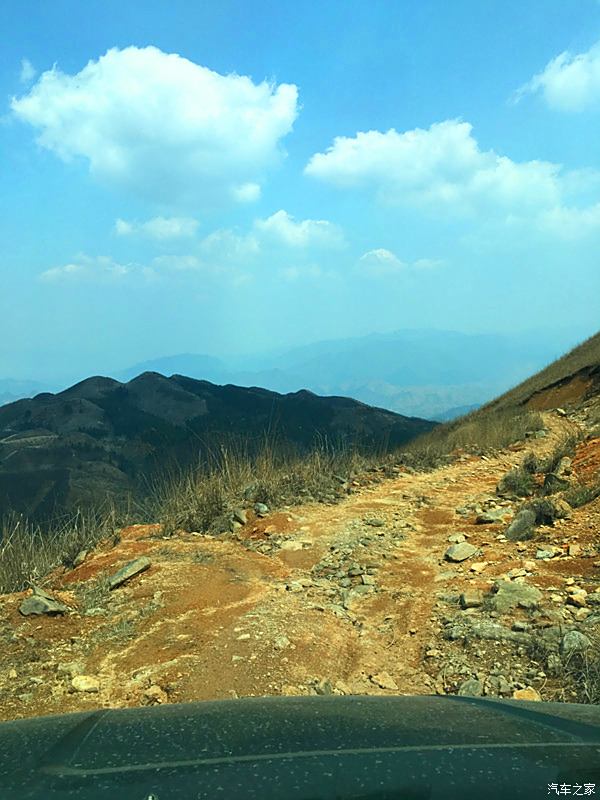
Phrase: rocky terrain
pixel 105 439
pixel 412 583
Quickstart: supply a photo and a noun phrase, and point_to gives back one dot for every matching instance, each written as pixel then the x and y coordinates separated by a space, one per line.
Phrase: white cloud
pixel 160 228
pixel 246 193
pixel 28 71
pixel 568 82
pixel 161 125
pixel 282 228
pixel 382 262
pixel 98 268
pixel 441 168
pixel 570 224
pixel 444 171
pixel 225 245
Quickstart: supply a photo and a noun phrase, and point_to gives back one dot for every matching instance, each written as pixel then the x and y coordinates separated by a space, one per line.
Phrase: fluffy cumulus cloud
pixel 98 269
pixel 568 82
pixel 443 170
pixel 161 125
pixel 159 228
pixel 284 229
pixel 381 262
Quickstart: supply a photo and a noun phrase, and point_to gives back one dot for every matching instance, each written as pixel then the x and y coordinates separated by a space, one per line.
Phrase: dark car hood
pixel 304 747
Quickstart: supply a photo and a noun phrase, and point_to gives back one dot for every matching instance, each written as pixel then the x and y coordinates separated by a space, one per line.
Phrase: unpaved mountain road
pixel 346 598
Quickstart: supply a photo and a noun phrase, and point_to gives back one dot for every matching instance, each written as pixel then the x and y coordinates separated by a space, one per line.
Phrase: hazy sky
pixel 228 176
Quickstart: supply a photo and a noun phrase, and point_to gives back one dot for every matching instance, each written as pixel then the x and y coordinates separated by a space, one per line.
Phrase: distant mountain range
pixel 104 438
pixel 430 374
pixel 424 373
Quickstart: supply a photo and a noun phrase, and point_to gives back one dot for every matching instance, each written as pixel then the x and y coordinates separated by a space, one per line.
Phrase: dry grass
pixel 28 553
pixel 204 498
pixel 476 432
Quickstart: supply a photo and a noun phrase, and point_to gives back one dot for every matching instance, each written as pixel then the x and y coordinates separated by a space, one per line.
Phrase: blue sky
pixel 236 176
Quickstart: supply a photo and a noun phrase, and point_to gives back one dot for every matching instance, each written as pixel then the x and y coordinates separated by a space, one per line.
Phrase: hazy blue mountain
pixel 424 373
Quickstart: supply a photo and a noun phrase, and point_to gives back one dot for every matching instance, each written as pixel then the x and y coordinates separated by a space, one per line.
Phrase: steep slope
pixel 103 438
pixel 570 380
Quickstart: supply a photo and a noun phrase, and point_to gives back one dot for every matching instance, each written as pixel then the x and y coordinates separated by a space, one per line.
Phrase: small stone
pixel 529 693
pixel 291 545
pixel 261 509
pixel 478 567
pixel 510 595
pixel 368 580
pixel 578 599
pixel 80 558
pixel 384 680
pixel 460 552
pixel 243 637
pixel 155 695
pixel 85 683
pixel 324 687
pixel 12 674
pixel 519 625
pixel 574 641
pixel 456 538
pixel 375 522
pixel 472 598
pixel 240 515
pixel 281 642
pixel 522 526
pixel 574 550
pixel 128 571
pixel 40 602
pixel 471 688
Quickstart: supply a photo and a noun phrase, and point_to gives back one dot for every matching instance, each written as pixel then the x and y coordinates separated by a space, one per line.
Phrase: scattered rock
pixel 460 552
pixel 522 526
pixel 85 683
pixel 529 693
pixel 375 522
pixel 472 598
pixel 471 688
pixel 155 695
pixel 510 595
pixel 281 642
pixel 261 509
pixel 478 567
pixel 548 552
pixel 574 550
pixel 291 545
pixel 384 680
pixel 574 642
pixel 578 599
pixel 128 571
pixel 456 538
pixel 80 558
pixel 491 516
pixel 40 602
pixel 240 515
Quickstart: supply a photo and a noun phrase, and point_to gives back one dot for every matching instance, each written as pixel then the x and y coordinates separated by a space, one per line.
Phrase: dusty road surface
pixel 355 597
